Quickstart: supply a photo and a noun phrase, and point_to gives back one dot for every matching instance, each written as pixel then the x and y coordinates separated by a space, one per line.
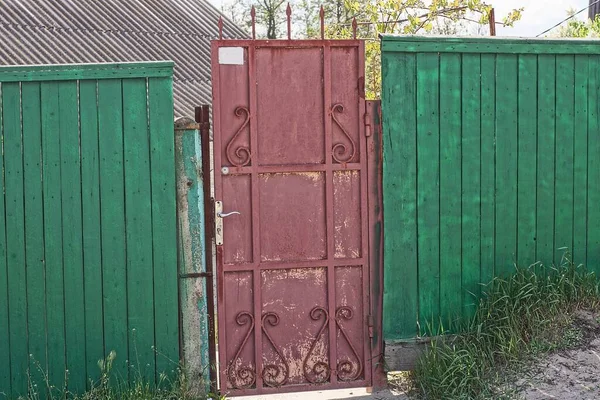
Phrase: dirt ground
pixel 569 374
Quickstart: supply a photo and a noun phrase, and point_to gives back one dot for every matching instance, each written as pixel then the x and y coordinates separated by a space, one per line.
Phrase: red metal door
pixel 293 265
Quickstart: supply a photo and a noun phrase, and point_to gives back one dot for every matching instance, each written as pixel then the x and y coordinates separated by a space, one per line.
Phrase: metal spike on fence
pixel 322 18
pixel 288 12
pixel 221 28
pixel 354 26
pixel 253 15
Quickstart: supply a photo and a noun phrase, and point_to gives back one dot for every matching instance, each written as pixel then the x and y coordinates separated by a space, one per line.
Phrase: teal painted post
pixel 192 287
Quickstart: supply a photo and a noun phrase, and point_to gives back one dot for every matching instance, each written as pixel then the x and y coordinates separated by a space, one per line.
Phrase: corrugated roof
pixel 87 31
pixel 594 9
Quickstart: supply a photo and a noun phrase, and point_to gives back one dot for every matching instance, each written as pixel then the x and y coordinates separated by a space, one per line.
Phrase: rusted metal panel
pixel 293 272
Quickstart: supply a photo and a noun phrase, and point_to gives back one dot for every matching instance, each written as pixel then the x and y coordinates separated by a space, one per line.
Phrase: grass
pixel 520 317
pixel 109 387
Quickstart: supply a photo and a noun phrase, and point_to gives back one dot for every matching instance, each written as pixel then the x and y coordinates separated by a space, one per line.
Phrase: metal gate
pixel 291 226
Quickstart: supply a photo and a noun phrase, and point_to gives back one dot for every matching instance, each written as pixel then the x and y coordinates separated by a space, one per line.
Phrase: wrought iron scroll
pixel 239 157
pixel 320 371
pixel 245 376
pixel 274 375
pixel 340 151
pixel 346 370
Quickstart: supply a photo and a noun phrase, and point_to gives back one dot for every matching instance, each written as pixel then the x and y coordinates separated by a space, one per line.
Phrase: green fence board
pixel 402 247
pixel 15 240
pixel 92 243
pixel 428 200
pixel 527 151
pixel 470 170
pixel 506 162
pixel 34 232
pixel 565 102
pixel 138 213
pixel 53 243
pixel 580 163
pixel 593 193
pixel 88 240
pixel 72 232
pixel 488 167
pixel 5 379
pixel 450 189
pixel 545 158
pixel 112 196
pixel 164 229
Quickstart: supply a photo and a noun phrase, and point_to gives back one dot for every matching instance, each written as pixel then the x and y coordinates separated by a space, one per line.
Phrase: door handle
pixel 225 215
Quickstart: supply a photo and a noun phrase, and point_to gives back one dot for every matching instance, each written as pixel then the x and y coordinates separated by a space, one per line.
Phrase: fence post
pixel 194 322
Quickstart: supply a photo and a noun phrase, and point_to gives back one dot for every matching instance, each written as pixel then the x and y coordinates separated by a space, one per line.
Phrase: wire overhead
pixel 568 18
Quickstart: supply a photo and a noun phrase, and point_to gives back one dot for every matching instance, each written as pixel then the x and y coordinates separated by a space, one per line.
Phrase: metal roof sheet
pixel 91 31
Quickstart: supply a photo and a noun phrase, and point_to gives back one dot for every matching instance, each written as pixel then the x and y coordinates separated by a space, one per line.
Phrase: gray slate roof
pixel 88 31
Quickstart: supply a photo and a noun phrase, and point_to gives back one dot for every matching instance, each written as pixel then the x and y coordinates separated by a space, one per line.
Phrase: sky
pixel 538 16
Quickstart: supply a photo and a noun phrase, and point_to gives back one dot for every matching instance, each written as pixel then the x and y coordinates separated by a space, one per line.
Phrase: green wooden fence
pixel 88 252
pixel 491 158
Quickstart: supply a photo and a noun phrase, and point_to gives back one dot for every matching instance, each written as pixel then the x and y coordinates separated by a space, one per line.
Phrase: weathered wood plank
pixel 164 230
pixel 400 311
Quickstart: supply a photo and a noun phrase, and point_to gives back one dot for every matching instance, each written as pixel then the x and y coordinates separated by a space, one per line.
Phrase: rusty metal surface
pixel 293 272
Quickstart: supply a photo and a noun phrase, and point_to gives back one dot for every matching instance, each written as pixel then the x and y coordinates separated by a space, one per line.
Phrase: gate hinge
pixel 370 324
pixel 367 118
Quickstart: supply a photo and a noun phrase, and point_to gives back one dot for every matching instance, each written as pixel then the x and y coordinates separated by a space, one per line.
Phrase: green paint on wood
pixel 53 239
pixel 450 189
pixel 527 151
pixel 504 169
pixel 400 202
pixel 580 162
pixel 5 380
pixel 470 169
pixel 15 239
pixel 86 240
pixel 138 214
pixel 428 194
pixel 593 147
pixel 114 241
pixel 546 106
pixel 34 232
pixel 92 241
pixel 164 230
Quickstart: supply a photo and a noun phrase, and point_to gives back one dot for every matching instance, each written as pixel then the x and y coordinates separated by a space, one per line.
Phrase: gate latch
pixel 219 215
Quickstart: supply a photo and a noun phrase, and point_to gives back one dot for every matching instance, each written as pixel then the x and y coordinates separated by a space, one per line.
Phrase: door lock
pixel 219 215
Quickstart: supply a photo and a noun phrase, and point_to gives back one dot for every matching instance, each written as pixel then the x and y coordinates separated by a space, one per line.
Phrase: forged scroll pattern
pixel 241 156
pixel 245 376
pixel 345 368
pixel 340 151
pixel 274 375
pixel 320 371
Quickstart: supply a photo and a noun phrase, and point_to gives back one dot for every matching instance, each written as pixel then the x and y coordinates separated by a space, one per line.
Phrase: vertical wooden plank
pixel 580 159
pixel 527 153
pixel 428 198
pixel 53 240
pixel 138 212
pixel 15 239
pixel 563 205
pixel 5 380
pixel 164 231
pixel 471 183
pixel 450 189
pixel 34 230
pixel 112 211
pixel 506 163
pixel 593 197
pixel 70 173
pixel 399 95
pixel 488 167
pixel 92 243
pixel 545 159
